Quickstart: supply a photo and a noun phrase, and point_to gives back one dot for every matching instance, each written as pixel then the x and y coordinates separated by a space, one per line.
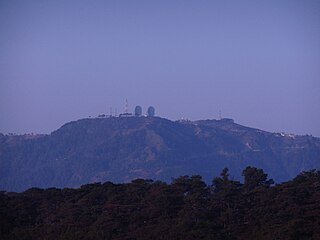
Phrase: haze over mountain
pixel 257 61
pixel 84 177
pixel 120 149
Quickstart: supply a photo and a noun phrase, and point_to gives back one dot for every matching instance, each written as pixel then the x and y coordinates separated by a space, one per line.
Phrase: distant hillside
pixel 121 149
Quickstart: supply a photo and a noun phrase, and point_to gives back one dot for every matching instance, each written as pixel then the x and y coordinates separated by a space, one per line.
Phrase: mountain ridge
pixel 120 149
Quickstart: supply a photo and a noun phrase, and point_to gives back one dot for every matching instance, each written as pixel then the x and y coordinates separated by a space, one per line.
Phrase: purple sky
pixel 257 61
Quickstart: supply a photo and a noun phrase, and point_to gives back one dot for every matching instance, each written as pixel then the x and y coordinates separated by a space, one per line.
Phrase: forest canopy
pixel 188 208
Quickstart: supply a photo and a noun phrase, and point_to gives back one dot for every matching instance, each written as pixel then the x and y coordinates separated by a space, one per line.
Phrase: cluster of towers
pixel 137 111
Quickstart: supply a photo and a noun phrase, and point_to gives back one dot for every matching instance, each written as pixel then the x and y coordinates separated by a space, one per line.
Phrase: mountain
pixel 120 149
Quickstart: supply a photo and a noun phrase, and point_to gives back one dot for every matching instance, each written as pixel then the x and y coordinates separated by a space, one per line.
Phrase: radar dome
pixel 151 111
pixel 138 111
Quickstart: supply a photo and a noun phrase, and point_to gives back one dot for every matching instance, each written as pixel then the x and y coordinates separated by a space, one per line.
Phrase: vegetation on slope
pixel 121 149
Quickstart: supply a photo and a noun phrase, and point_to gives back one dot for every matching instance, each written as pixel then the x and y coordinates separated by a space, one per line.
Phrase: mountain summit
pixel 120 149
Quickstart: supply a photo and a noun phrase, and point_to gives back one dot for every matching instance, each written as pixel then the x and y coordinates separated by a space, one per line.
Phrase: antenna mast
pixel 126 106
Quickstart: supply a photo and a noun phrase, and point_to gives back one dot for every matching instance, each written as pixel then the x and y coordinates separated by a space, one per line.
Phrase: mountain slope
pixel 121 149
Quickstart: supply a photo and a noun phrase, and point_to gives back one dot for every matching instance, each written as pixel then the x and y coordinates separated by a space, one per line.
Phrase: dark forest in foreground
pixel 185 209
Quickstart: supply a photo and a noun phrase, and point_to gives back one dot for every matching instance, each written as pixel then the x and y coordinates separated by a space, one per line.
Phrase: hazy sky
pixel 257 61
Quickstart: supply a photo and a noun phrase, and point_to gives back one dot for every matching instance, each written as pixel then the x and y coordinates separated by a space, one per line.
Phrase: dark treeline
pixel 185 209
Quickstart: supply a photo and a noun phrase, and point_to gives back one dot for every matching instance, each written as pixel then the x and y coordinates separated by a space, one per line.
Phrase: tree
pixel 224 183
pixel 254 177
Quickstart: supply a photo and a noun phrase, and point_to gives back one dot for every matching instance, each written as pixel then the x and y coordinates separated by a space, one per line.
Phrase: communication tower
pixel 126 107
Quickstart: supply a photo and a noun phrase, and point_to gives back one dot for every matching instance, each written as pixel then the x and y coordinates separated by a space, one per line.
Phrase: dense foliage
pixel 185 209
